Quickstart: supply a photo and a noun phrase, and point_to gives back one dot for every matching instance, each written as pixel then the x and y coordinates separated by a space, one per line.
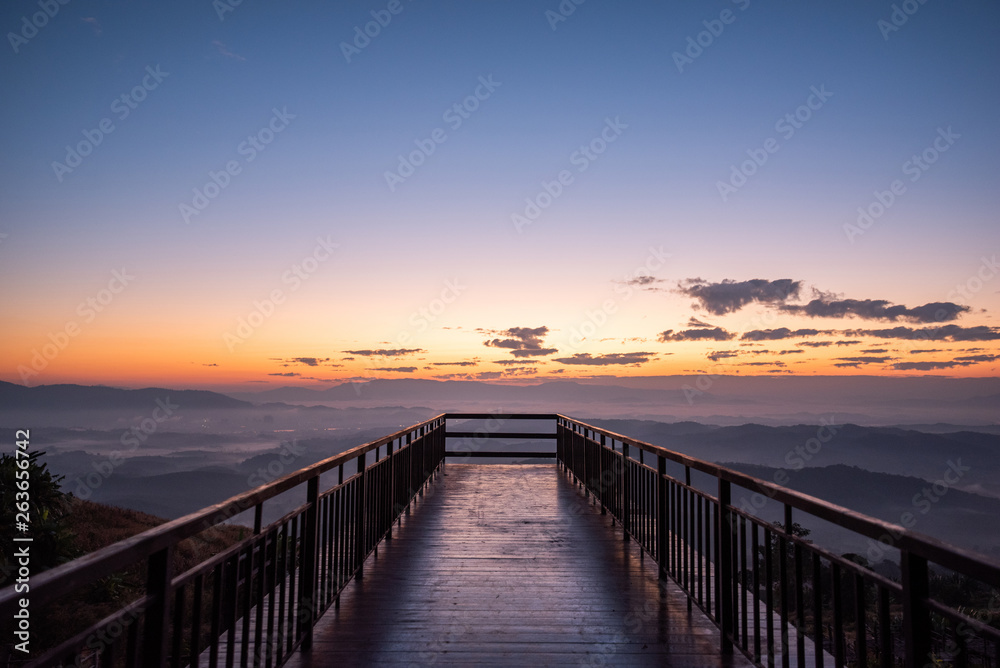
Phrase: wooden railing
pixel 771 592
pixel 256 602
pixel 762 584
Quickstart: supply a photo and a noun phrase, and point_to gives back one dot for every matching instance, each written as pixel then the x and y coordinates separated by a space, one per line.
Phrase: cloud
pixel 861 359
pixel 789 352
pixel 776 334
pixel 515 362
pixel 876 309
pixel 308 361
pixel 694 322
pixel 385 352
pixel 978 358
pixel 729 296
pixel 722 354
pixel 94 24
pixel 943 333
pixel 397 369
pixel 489 375
pixel 522 341
pixel 606 360
pixel 929 350
pixel 466 363
pixel 212 364
pixel 924 366
pixel 286 374
pixel 763 364
pixel 643 281
pixel 714 334
pixel 221 48
pixel 874 351
pixel 817 344
pixel 847 343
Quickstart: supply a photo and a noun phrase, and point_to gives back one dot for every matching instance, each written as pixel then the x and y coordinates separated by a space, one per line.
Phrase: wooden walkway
pixel 504 565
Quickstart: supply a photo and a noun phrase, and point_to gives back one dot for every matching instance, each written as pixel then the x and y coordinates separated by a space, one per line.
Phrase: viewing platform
pixel 464 540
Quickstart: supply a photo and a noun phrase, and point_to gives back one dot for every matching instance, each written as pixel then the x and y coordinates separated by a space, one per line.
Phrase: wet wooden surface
pixel 510 565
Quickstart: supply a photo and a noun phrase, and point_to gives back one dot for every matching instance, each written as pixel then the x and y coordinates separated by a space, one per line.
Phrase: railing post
pixel 725 566
pixel 359 519
pixel 626 523
pixel 603 486
pixel 662 512
pixel 156 627
pixel 391 454
pixel 307 591
pixel 916 616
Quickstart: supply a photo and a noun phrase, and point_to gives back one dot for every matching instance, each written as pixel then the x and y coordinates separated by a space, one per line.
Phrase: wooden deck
pixel 510 565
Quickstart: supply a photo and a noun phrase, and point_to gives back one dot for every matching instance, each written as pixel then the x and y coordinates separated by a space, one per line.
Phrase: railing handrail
pixel 973 563
pixel 46 586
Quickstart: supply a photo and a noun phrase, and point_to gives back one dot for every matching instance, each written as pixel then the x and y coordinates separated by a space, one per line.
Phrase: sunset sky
pixel 260 194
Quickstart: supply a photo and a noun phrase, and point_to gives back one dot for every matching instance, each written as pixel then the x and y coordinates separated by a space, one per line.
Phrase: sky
pixel 252 194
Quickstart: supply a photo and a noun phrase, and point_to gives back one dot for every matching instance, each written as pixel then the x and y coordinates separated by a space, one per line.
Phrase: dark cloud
pixel 861 359
pixel 488 375
pixel 714 334
pixel 212 364
pixel 605 360
pixel 876 309
pixel 729 296
pixel 775 334
pixel 694 322
pixel 286 374
pixel 722 354
pixel 308 361
pixel 789 352
pixel 522 341
pixel 978 358
pixel 924 366
pixel 466 363
pixel 847 343
pixel 943 333
pixel 397 369
pixel 763 364
pixel 385 352
pixel 929 350
pixel 817 344
pixel 874 351
pixel 515 362
pixel 643 281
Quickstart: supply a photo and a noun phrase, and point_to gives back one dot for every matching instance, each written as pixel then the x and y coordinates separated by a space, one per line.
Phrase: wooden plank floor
pixel 509 565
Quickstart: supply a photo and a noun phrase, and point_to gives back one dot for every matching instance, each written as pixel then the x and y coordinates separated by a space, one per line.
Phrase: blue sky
pixel 657 184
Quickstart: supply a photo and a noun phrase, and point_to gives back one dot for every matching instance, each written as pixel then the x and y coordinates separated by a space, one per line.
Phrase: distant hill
pixel 966 520
pixel 96 397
